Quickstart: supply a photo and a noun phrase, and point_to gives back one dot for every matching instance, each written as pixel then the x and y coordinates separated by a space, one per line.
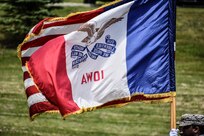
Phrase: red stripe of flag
pixel 38 27
pixel 78 18
pixel 31 90
pixel 38 42
pixel 26 75
pixel 24 60
pixel 41 107
pixel 48 61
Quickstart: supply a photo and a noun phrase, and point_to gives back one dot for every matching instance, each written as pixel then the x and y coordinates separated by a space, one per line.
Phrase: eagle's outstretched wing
pixel 96 33
pixel 106 25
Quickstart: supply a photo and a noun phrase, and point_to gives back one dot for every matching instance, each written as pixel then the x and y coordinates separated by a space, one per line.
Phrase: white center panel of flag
pixel 96 59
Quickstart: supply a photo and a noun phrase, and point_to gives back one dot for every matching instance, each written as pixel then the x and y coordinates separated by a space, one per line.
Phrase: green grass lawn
pixel 190 60
pixel 136 119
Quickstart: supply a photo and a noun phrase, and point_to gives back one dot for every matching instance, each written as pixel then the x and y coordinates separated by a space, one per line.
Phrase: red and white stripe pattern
pixel 46 30
pixel 68 68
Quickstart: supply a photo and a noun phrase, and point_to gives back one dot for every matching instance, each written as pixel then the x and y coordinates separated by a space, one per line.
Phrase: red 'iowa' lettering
pixel 92 76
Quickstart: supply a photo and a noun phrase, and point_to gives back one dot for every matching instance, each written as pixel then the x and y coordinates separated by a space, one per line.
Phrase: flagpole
pixel 173 113
pixel 173 103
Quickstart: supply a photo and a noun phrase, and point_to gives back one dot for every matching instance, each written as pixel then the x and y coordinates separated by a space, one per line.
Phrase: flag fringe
pixel 28 37
pixel 164 100
pixel 31 35
pixel 46 112
pixel 167 97
pixel 26 65
pixel 137 97
pixel 110 3
pixel 169 94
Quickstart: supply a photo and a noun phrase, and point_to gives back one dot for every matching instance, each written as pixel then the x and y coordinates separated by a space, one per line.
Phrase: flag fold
pixel 122 52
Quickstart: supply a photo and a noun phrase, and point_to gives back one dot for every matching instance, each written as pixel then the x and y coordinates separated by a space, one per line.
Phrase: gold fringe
pixel 127 100
pixel 164 100
pixel 26 65
pixel 169 96
pixel 76 13
pixel 82 110
pixel 110 3
pixel 57 19
pixel 66 17
pixel 21 44
pixel 37 114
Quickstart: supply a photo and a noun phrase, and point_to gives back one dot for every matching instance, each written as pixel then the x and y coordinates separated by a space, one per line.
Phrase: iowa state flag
pixel 119 53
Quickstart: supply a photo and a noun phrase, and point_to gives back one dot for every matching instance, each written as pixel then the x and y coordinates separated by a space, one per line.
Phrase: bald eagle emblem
pixel 95 33
pixel 80 53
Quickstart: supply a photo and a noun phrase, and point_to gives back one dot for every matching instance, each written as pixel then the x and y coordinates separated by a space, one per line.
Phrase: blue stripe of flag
pixel 150 38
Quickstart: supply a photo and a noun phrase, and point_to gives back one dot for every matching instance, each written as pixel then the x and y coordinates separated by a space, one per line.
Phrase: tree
pixel 90 1
pixel 20 16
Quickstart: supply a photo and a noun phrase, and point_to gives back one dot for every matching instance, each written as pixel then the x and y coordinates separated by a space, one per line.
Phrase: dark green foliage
pixel 135 119
pixel 55 1
pixel 20 16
